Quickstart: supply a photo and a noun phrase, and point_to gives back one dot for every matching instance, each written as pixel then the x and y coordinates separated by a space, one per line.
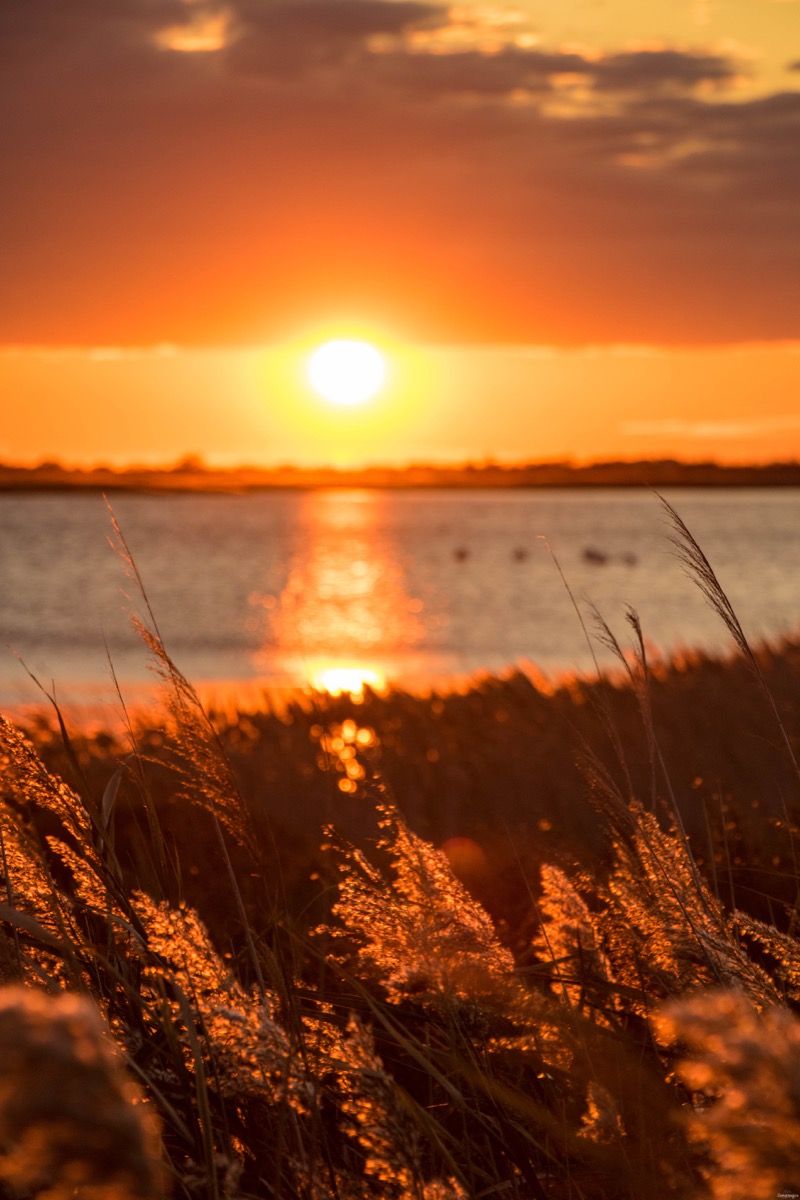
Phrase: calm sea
pixel 337 587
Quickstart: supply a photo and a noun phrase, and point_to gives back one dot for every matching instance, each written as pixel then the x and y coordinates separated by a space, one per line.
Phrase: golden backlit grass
pixel 544 948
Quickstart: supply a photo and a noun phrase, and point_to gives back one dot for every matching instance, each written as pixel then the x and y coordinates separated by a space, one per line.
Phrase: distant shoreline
pixel 192 476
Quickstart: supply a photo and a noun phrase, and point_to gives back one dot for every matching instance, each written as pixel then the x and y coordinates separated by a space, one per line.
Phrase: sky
pixel 571 226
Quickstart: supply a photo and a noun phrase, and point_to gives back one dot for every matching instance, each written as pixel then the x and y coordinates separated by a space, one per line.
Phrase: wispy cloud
pixel 711 430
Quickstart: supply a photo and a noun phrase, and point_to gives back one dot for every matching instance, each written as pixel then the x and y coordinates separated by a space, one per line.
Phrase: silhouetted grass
pixel 545 947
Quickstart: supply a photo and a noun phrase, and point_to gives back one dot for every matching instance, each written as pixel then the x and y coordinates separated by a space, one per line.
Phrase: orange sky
pixel 441 404
pixel 575 227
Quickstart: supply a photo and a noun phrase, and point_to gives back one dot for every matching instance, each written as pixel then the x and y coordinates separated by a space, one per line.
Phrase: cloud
pixel 648 70
pixel 185 171
pixel 279 34
pixel 711 430
pixel 333 18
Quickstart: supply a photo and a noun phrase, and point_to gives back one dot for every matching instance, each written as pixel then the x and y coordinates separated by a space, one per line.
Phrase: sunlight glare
pixel 346 372
pixel 337 680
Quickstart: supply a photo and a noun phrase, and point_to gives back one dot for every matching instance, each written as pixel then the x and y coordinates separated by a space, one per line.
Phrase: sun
pixel 346 372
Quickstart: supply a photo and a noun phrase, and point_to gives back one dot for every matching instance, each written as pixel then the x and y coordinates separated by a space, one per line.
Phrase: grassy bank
pixel 545 948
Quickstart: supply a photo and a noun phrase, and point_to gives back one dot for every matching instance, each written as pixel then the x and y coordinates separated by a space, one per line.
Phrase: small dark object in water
pixel 630 559
pixel 461 553
pixel 520 554
pixel 596 557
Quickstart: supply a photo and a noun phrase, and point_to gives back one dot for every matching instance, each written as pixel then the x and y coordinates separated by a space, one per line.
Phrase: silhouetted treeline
pixel 191 474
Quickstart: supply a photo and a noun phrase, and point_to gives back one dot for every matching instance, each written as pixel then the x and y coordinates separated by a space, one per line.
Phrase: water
pixel 337 587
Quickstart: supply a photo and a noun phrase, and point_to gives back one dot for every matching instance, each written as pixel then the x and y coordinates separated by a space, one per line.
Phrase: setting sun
pixel 346 372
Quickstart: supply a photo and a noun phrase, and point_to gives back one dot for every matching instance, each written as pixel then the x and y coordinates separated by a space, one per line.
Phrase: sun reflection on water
pixel 338 678
pixel 344 610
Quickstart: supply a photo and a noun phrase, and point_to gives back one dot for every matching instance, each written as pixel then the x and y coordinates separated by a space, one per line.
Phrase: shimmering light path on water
pixel 337 586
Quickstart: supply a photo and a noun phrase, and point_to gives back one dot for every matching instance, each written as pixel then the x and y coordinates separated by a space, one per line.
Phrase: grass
pixel 545 947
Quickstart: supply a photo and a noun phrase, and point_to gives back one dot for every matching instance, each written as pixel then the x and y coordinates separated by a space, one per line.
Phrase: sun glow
pixel 351 679
pixel 346 372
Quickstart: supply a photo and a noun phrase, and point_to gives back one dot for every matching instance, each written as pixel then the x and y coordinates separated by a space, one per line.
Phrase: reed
pixel 547 949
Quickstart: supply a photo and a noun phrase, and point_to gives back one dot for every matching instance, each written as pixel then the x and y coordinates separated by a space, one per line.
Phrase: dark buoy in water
pixel 519 554
pixel 595 557
pixel 461 554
